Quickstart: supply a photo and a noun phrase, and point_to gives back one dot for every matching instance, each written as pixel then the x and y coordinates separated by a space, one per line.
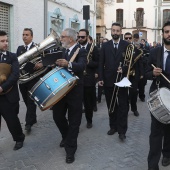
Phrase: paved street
pixel 96 150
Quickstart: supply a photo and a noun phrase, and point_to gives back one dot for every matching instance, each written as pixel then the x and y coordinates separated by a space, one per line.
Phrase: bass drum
pixel 159 105
pixel 52 87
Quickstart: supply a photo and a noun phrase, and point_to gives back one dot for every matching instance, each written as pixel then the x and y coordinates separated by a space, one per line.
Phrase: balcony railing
pixel 140 24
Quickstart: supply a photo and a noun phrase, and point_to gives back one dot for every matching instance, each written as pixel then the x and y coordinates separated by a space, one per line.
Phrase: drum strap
pixel 159 55
pixel 75 55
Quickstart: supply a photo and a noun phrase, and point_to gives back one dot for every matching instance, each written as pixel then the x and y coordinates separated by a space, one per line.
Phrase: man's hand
pixel 157 71
pixel 38 66
pixel 62 63
pixel 119 70
pixel 1 90
pixel 100 83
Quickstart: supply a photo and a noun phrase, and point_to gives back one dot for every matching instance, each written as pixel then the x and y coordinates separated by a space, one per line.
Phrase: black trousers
pixel 9 112
pixel 71 105
pixel 118 118
pixel 100 91
pixel 141 87
pixel 89 101
pixel 159 141
pixel 31 117
pixel 133 95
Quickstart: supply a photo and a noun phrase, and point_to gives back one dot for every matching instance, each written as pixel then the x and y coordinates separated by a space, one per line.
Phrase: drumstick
pixel 162 75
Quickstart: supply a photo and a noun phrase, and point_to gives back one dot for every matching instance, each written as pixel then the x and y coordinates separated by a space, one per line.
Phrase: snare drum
pixel 159 105
pixel 52 87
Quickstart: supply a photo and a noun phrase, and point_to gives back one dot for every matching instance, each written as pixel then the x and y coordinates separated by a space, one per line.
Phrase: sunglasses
pixel 82 37
pixel 128 38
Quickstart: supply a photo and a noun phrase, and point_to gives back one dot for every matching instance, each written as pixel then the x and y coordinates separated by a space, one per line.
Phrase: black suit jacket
pixel 79 64
pixel 109 62
pixel 138 67
pixel 89 78
pixel 13 94
pixel 21 49
pixel 156 54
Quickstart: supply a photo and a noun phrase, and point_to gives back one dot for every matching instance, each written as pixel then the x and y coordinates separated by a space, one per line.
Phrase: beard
pixel 167 42
pixel 83 42
pixel 115 36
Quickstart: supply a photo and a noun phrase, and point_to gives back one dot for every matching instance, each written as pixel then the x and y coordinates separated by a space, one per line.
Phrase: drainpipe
pixel 45 17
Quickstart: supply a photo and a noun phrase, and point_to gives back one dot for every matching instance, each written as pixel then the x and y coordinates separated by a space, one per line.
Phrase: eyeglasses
pixel 82 37
pixel 62 36
pixel 128 38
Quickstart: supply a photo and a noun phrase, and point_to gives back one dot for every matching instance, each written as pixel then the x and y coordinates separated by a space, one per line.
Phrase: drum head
pixel 165 97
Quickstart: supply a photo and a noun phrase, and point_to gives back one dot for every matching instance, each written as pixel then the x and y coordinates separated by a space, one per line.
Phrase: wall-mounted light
pixel 57 12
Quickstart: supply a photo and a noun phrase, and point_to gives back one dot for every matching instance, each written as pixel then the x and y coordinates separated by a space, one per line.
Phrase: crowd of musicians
pixel 96 65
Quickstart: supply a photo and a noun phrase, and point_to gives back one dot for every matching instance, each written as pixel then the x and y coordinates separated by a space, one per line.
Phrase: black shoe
pixel 99 101
pixel 70 159
pixel 142 99
pixel 136 113
pixel 83 110
pixel 165 161
pixel 89 125
pixel 62 143
pixel 95 108
pixel 18 145
pixel 122 137
pixel 28 128
pixel 111 131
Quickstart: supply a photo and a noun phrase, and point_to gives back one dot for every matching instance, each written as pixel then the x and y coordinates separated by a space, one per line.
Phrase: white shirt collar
pixel 28 46
pixel 72 47
pixel 4 52
pixel 116 42
pixel 85 46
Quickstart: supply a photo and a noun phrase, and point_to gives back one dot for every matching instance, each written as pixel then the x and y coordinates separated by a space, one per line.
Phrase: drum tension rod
pixel 63 75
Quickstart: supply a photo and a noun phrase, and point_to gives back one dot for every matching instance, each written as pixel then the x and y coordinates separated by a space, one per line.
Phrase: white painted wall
pixel 30 14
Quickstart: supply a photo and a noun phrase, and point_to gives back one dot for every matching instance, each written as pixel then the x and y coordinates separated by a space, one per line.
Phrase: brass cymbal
pixel 5 69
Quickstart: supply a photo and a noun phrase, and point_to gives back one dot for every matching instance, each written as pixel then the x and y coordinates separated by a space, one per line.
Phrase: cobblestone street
pixel 96 150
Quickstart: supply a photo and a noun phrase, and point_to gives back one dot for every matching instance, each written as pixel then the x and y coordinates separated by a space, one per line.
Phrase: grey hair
pixel 71 33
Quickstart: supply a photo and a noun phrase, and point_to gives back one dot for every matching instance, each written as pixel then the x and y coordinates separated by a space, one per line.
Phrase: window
pixel 5 19
pixel 166 15
pixel 139 17
pixel 57 25
pixel 119 1
pixel 139 0
pixel 166 0
pixel 119 16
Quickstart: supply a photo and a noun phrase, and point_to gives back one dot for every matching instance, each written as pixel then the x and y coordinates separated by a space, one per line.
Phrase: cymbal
pixel 5 69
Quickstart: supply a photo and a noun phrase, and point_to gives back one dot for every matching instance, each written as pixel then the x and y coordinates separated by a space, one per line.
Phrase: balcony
pixel 142 26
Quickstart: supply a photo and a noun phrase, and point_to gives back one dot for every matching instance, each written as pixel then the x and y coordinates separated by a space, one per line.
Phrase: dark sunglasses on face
pixel 82 37
pixel 128 38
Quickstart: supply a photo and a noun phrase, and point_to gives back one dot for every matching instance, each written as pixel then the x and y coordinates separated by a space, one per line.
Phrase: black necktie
pixel 115 47
pixel 26 47
pixel 66 54
pixel 167 64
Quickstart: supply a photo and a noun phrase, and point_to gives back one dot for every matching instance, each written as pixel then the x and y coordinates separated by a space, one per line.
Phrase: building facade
pixel 41 15
pixel 145 17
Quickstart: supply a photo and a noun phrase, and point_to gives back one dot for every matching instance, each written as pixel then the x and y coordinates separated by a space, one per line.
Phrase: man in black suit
pixel 109 69
pixel 89 75
pixel 160 133
pixel 143 81
pixel 9 100
pixel 31 117
pixel 136 73
pixel 71 103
